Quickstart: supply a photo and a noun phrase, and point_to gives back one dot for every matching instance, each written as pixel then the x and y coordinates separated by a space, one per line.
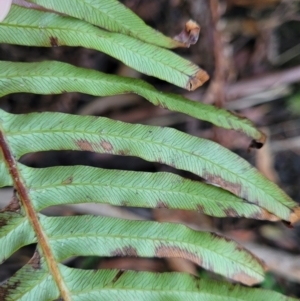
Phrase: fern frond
pixel 243 190
pixel 56 77
pixel 113 16
pixel 35 28
pixel 56 131
pixel 110 285
pixel 83 184
pixel 103 236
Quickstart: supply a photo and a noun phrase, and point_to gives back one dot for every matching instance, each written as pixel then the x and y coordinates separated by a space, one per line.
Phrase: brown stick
pixel 42 239
pixel 262 83
pixel 215 92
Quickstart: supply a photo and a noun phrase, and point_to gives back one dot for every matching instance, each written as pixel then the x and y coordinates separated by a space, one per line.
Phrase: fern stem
pixel 42 239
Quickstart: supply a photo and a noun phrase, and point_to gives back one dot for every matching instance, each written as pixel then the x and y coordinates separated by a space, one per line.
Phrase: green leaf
pixel 32 282
pixel 102 236
pixel 34 28
pixel 161 287
pixel 56 131
pixel 83 184
pixel 5 178
pixel 113 16
pixel 110 285
pixel 15 232
pixel 56 77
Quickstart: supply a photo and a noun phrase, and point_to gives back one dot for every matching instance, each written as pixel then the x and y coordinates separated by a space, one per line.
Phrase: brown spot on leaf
pixel 106 146
pixel 189 35
pixel 35 261
pixel 219 237
pixel 3 221
pixel 230 212
pixel 84 145
pixel 124 152
pixel 235 188
pixel 8 288
pixel 196 281
pixel 67 181
pixel 239 248
pixel 161 204
pixel 54 41
pixel 263 214
pixel 13 205
pixel 125 251
pixel 5 218
pixel 245 278
pixel 177 252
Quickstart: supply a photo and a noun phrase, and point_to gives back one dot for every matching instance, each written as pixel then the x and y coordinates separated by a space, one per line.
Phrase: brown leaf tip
pixel 263 214
pixel 245 278
pixel 295 215
pixel 256 144
pixel 189 35
pixel 197 80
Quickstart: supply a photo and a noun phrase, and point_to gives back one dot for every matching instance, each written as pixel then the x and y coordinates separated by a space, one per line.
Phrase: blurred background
pixel 251 50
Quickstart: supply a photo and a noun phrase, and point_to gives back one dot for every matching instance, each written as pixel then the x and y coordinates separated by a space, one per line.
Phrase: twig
pixel 215 92
pixel 286 144
pixel 261 83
